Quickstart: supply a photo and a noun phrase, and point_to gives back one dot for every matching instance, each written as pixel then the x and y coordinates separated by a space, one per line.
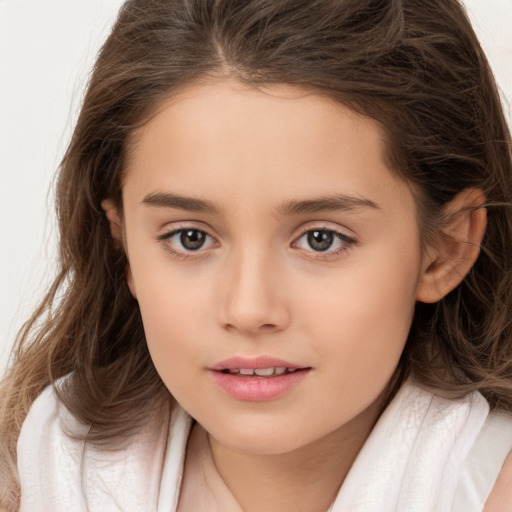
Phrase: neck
pixel 306 479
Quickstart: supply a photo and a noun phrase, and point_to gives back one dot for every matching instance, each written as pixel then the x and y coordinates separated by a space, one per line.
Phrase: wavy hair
pixel 414 66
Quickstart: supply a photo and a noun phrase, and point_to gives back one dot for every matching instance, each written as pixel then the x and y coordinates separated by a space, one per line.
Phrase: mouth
pixel 262 366
pixel 273 371
pixel 257 380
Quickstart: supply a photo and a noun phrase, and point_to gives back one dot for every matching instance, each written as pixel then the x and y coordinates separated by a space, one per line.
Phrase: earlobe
pixel 457 247
pixel 116 230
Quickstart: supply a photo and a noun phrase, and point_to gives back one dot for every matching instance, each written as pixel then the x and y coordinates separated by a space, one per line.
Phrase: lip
pixel 254 363
pixel 257 388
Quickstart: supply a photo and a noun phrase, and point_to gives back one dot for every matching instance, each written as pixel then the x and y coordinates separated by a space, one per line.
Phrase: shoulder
pixel 496 461
pixel 44 443
pixel 48 419
pixel 483 464
pixel 60 470
pixel 49 460
pixel 501 495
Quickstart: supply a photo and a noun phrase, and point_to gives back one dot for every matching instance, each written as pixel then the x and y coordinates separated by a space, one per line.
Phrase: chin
pixel 264 436
pixel 258 444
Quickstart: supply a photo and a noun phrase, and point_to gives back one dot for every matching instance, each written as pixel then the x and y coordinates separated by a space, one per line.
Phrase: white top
pixel 425 454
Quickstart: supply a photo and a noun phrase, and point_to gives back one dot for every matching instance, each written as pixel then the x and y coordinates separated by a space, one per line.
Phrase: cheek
pixel 168 312
pixel 168 330
pixel 174 307
pixel 364 316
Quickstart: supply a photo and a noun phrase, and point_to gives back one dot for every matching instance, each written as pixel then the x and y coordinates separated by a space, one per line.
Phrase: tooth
pixel 264 372
pixel 291 370
pixel 246 371
pixel 234 370
pixel 280 370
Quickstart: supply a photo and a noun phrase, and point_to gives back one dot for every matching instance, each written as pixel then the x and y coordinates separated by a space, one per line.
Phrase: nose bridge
pixel 253 299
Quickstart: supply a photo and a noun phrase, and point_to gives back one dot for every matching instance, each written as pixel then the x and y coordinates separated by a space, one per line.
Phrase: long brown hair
pixel 415 66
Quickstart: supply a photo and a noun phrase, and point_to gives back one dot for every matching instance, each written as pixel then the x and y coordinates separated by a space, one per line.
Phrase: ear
pixel 116 229
pixel 451 256
pixel 114 219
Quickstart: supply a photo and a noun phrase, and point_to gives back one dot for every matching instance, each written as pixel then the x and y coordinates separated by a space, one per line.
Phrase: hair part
pixel 414 66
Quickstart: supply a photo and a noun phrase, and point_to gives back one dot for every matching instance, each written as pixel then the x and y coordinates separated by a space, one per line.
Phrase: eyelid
pixel 325 226
pixel 177 225
pixel 170 231
pixel 348 240
pixel 174 229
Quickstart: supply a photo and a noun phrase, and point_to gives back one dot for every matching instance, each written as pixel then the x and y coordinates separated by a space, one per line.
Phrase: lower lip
pixel 257 389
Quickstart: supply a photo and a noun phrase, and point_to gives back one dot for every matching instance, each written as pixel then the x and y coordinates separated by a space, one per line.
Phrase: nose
pixel 253 296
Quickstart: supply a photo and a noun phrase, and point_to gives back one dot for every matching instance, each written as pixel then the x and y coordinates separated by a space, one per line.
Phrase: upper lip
pixel 254 363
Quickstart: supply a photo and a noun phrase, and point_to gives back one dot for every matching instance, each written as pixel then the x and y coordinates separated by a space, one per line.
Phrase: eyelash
pixel 347 243
pixel 182 254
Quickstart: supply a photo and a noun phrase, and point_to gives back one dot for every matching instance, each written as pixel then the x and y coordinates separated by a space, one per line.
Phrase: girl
pixel 285 270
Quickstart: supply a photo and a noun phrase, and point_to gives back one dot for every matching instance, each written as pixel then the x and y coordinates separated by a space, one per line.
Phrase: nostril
pixel 250 327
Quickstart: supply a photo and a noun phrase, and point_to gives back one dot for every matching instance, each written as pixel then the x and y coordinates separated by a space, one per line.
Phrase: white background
pixel 47 48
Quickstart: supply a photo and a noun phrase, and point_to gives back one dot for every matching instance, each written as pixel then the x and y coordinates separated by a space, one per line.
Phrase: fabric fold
pixel 425 454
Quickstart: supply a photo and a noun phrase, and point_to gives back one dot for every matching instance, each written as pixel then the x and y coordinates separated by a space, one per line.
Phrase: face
pixel 275 259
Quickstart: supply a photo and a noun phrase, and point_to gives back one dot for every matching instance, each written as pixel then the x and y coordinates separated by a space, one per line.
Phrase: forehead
pixel 275 140
pixel 205 106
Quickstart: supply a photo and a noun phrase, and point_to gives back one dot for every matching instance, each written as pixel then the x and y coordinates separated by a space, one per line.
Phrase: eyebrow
pixel 294 207
pixel 168 200
pixel 327 204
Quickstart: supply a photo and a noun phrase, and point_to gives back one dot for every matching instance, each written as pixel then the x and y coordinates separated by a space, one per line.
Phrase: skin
pixel 501 496
pixel 258 287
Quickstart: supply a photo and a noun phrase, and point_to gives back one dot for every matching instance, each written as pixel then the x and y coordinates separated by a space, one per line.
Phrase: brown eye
pixel 323 242
pixel 320 240
pixel 192 239
pixel 186 241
